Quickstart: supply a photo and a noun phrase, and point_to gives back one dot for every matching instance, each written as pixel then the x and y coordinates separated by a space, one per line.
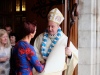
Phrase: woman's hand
pixel 3 59
pixel 42 62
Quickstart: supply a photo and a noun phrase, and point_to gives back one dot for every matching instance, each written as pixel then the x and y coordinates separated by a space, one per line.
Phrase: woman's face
pixel 4 38
pixel 12 39
pixel 52 27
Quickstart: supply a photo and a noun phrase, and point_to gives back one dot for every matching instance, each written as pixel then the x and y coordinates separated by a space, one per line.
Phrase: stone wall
pixel 88 37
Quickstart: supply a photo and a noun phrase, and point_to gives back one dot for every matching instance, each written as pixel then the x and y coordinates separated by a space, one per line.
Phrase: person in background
pixel 51 47
pixel 5 48
pixel 13 38
pixel 8 28
pixel 24 54
pixel 13 41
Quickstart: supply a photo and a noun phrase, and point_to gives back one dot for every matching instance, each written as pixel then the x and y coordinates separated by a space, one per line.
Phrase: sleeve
pixel 71 63
pixel 33 59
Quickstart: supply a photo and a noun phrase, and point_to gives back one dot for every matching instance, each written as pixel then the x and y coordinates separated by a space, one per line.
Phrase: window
pixel 23 5
pixel 17 5
pixel 20 5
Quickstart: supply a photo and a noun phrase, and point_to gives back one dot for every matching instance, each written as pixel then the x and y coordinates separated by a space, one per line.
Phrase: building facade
pixel 89 37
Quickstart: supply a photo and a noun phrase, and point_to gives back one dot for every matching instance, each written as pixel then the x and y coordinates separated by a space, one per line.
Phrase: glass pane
pixel 23 5
pixel 17 5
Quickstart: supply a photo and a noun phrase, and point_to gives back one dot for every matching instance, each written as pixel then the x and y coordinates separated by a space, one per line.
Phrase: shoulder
pixel 22 44
pixel 64 36
pixel 38 39
pixel 40 36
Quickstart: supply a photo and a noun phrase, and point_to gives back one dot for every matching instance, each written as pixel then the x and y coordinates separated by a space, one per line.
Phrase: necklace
pixel 44 42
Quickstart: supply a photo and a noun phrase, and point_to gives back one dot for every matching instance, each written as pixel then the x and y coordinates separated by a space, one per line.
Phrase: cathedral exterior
pixel 89 37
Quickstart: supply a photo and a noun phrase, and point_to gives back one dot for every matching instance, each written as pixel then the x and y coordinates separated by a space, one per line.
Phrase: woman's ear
pixel 32 35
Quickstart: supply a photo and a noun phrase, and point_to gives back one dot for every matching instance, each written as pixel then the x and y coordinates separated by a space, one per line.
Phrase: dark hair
pixel 14 34
pixel 27 28
pixel 8 25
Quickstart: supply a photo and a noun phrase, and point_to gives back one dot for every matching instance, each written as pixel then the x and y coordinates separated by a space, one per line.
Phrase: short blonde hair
pixel 2 32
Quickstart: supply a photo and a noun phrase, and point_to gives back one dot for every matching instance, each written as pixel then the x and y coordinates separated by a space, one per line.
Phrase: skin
pixel 9 30
pixel 52 27
pixel 12 39
pixel 68 51
pixel 52 30
pixel 29 37
pixel 4 40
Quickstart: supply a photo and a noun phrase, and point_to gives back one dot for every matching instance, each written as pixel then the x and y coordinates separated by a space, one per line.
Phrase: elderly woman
pixel 5 49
